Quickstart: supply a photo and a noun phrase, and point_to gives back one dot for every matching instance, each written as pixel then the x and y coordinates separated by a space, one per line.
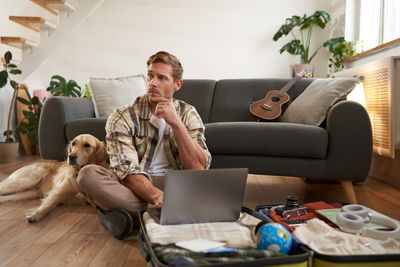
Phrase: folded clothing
pixel 239 234
pixel 175 256
pixel 325 239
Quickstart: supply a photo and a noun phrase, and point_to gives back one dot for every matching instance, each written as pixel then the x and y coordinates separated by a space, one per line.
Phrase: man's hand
pixel 141 186
pixel 165 109
pixel 159 200
pixel 192 156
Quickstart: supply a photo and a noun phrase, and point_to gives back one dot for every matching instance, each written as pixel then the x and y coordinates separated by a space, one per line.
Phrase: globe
pixel 274 237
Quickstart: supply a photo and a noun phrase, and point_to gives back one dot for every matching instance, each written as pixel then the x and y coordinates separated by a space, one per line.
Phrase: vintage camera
pixel 291 209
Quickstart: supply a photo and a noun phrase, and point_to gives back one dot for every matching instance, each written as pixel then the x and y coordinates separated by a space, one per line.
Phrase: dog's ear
pixel 100 153
pixel 69 146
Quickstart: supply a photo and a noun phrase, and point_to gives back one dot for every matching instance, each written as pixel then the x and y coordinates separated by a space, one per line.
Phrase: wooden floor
pixel 72 236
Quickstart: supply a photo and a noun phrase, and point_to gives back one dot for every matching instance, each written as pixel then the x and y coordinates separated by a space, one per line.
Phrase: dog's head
pixel 86 149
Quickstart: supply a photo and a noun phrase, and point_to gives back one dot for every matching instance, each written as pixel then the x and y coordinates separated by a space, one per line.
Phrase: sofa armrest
pixel 56 113
pixel 350 142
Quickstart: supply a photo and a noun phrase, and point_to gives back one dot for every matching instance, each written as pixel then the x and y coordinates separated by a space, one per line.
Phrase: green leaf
pixel 3 78
pixel 8 57
pixel 28 114
pixel 15 71
pixel 60 79
pixel 325 16
pixel 87 92
pixel 28 94
pixel 294 47
pixel 9 140
pixel 76 93
pixel 9 132
pixel 286 28
pixel 14 84
pixel 57 85
pixel 35 100
pixel 31 132
pixel 331 43
pixel 23 127
pixel 12 66
pixel 340 49
pixel 23 101
pixel 319 18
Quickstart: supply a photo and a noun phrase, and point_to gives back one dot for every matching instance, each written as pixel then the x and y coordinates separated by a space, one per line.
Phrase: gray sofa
pixel 340 149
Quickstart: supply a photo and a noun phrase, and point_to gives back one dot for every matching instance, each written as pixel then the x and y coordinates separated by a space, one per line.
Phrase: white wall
pixel 214 39
pixel 8 28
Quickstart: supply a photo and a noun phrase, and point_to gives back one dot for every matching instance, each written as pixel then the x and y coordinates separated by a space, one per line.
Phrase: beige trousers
pixel 101 187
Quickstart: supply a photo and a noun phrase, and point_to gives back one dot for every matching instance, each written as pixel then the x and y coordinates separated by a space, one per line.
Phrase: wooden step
pixel 33 23
pixel 17 42
pixel 54 5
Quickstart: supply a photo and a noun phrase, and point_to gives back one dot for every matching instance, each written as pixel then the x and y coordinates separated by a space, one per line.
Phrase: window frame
pixel 352 27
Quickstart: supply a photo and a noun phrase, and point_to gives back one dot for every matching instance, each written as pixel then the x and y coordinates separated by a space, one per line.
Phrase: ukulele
pixel 275 102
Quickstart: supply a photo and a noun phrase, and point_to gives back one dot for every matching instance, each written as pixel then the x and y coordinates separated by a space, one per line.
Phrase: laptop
pixel 201 196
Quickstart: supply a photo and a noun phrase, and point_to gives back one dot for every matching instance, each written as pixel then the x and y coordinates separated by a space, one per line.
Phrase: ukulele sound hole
pixel 275 99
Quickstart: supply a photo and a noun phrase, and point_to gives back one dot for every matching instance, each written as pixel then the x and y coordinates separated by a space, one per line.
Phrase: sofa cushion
pixel 93 126
pixel 233 97
pixel 198 93
pixel 110 93
pixel 269 139
pixel 313 105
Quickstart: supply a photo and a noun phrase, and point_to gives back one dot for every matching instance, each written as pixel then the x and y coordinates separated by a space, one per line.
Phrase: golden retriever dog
pixel 53 181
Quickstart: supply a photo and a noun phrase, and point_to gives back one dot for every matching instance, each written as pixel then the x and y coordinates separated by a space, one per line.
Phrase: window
pixel 374 22
pixel 370 23
pixel 391 28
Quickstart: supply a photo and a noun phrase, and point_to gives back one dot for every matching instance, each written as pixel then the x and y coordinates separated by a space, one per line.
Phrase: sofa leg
pixel 349 191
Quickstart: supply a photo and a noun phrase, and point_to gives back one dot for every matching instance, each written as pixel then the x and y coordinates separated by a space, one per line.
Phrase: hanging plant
pixel 339 49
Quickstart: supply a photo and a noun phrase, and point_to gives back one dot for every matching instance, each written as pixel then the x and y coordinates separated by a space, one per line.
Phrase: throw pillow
pixel 311 107
pixel 110 93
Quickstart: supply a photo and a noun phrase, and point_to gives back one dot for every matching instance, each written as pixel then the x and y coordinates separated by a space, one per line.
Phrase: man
pixel 144 139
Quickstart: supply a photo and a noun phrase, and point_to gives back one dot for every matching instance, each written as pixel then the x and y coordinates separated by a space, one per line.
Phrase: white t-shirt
pixel 159 164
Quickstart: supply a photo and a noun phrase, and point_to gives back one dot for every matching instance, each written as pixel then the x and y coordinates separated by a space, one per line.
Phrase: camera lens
pixel 292 202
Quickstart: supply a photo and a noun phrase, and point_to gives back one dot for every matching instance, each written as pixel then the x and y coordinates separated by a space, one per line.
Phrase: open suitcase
pixel 324 260
pixel 305 257
pixel 299 259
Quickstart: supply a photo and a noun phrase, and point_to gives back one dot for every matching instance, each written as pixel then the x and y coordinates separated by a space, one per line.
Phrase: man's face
pixel 160 82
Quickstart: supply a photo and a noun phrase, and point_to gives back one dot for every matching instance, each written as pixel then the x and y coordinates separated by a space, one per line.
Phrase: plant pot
pixel 8 151
pixel 306 70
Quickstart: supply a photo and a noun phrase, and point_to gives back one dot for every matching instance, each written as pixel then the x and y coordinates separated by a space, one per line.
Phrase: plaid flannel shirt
pixel 132 136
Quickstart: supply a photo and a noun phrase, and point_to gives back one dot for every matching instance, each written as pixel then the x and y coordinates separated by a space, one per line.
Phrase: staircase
pixel 70 15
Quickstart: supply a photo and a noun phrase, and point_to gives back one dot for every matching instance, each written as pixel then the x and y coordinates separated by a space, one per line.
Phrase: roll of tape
pixel 350 222
pixel 357 209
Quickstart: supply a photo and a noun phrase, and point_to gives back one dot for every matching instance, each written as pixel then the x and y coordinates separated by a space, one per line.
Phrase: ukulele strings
pixel 281 92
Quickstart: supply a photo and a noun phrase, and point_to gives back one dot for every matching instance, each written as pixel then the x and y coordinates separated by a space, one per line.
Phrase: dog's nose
pixel 72 159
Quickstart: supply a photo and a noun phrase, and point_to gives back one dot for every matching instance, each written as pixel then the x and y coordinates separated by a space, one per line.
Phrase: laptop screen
pixel 200 196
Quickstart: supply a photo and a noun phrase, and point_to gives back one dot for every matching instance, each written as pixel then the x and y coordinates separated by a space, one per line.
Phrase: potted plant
pixel 9 148
pixel 33 107
pixel 60 87
pixel 301 46
pixel 339 49
pixel 29 125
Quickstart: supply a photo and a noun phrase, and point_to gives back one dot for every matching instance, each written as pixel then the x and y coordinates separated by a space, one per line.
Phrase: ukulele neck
pixel 289 85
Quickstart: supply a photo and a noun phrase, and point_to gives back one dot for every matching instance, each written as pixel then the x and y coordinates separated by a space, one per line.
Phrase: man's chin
pixel 151 96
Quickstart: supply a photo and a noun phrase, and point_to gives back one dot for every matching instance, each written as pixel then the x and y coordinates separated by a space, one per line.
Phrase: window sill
pixel 377 49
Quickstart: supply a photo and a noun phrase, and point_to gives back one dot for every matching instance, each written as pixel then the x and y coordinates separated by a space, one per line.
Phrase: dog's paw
pixel 32 216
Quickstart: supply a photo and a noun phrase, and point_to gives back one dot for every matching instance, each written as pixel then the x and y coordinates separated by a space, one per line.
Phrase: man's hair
pixel 167 58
